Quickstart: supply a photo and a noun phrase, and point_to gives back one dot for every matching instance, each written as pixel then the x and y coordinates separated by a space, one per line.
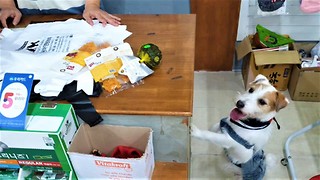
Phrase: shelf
pixel 170 170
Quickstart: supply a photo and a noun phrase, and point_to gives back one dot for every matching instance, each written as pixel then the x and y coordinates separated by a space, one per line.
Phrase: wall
pixel 147 6
pixel 299 25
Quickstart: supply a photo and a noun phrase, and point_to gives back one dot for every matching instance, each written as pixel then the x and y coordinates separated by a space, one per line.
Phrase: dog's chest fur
pixel 258 138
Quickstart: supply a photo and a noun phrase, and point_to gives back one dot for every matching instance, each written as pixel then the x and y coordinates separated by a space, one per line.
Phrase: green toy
pixel 150 54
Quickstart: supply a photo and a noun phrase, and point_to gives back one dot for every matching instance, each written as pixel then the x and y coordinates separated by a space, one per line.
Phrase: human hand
pixel 10 12
pixel 102 16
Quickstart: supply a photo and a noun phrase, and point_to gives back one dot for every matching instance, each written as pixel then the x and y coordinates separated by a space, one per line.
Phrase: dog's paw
pixel 195 131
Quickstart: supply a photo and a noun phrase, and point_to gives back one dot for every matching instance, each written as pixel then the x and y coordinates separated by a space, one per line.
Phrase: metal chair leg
pixel 287 161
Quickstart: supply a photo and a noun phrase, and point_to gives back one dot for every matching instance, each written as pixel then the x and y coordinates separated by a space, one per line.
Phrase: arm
pixel 92 10
pixel 9 10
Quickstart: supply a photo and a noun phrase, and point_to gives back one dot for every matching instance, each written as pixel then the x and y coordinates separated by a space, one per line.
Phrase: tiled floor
pixel 214 96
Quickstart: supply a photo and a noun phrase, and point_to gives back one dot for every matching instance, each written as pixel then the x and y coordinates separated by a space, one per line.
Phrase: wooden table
pixel 167 92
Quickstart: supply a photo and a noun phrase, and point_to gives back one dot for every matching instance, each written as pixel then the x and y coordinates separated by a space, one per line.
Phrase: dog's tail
pixel 271 161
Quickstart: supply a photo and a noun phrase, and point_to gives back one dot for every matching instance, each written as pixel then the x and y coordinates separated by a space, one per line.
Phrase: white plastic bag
pixel 38 49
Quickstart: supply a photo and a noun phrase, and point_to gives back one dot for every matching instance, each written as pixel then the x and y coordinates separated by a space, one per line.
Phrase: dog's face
pixel 261 101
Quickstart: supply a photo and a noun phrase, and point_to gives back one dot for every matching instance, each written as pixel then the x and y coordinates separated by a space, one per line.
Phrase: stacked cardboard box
pixel 276 65
pixel 304 83
pixel 43 144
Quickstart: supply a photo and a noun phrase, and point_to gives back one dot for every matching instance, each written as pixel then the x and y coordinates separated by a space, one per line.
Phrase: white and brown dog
pixel 245 132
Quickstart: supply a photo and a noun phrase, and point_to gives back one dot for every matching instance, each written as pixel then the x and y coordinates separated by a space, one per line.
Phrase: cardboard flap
pixel 315 69
pixel 81 142
pixel 243 48
pixel 276 57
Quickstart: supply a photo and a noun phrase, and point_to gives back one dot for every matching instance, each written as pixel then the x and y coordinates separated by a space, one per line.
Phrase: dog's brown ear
pixel 281 101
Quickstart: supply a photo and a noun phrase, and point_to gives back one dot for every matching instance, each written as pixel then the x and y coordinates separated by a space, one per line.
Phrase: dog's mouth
pixel 237 114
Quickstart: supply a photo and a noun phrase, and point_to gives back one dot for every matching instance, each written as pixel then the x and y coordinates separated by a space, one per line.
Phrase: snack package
pixel 117 84
pixel 73 62
pixel 264 38
pixel 105 67
pixel 106 63
pixel 134 69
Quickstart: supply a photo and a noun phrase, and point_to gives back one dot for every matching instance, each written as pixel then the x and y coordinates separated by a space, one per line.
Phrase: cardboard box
pixel 44 143
pixel 105 138
pixel 275 65
pixel 304 83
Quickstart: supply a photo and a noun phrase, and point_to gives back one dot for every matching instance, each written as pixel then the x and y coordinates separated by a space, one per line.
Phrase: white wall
pixel 299 25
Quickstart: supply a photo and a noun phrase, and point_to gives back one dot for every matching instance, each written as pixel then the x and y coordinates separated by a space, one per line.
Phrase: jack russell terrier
pixel 247 129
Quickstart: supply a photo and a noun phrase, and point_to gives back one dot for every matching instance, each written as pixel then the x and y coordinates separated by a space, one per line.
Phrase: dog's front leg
pixel 220 139
pixel 215 128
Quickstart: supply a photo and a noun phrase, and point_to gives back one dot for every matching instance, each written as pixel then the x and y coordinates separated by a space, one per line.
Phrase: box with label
pixel 304 83
pixel 276 65
pixel 44 142
pixel 106 138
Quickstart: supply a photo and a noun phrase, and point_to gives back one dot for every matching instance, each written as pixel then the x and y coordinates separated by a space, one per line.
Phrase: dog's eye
pixel 262 102
pixel 251 90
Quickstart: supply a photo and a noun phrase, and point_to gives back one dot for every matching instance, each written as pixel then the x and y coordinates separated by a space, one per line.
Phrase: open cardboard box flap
pixel 276 57
pixel 244 48
pixel 315 69
pixel 266 57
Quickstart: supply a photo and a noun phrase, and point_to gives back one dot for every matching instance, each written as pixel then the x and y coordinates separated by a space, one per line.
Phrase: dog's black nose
pixel 240 104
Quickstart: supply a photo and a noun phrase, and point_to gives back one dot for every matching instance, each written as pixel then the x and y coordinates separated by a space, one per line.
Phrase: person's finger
pixel 88 19
pixel 115 17
pixel 101 18
pixel 109 19
pixel 16 19
pixel 4 22
pixel 114 22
